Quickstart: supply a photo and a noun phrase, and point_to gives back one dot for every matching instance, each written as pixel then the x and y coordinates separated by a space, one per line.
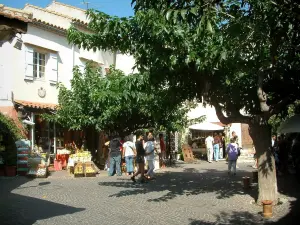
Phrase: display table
pixel 81 165
pixel 63 159
pixel 62 156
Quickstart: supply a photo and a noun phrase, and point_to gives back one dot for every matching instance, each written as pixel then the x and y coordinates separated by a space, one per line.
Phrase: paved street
pixel 185 194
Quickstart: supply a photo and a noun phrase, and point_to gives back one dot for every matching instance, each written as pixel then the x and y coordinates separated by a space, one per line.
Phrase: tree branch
pixel 277 108
pixel 237 118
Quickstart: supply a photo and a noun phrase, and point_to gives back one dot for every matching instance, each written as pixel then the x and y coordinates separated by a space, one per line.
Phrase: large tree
pixel 241 56
pixel 116 103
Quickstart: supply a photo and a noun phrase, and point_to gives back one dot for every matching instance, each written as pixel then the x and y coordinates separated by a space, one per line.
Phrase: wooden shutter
pixel 52 68
pixel 28 63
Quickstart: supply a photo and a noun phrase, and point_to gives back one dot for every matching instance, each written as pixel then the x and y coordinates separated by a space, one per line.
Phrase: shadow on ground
pixel 188 182
pixel 18 209
pixel 193 182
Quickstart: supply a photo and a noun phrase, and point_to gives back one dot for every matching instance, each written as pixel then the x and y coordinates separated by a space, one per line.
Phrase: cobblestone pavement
pixel 184 194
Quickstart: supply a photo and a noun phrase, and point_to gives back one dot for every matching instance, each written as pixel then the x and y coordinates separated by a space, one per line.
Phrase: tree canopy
pixel 117 103
pixel 240 55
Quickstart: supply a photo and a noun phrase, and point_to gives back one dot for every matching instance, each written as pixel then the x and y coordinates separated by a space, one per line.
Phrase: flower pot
pixel 246 182
pixel 267 208
pixel 10 171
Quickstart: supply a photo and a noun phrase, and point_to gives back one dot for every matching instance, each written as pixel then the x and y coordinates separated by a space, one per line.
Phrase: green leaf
pixel 168 15
pixel 183 13
pixel 194 10
pixel 223 55
pixel 209 27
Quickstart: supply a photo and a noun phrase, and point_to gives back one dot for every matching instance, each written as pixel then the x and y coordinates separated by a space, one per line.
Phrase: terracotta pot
pixel 246 182
pixel 267 208
pixel 10 171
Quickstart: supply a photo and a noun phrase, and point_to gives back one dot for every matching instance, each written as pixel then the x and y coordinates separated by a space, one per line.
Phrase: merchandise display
pixel 89 169
pixel 78 170
pixel 23 149
pixel 38 165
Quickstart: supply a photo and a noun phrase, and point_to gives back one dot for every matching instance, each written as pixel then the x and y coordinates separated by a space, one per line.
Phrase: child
pixel 232 151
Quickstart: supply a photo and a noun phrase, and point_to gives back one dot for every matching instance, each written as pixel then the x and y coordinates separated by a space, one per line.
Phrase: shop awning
pixel 36 105
pixel 206 126
pixel 291 125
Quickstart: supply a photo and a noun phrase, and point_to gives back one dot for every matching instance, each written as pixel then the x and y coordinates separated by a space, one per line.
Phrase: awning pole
pixel 54 138
pixel 32 129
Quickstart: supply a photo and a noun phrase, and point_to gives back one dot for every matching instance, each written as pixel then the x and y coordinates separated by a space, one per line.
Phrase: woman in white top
pixel 150 156
pixel 129 152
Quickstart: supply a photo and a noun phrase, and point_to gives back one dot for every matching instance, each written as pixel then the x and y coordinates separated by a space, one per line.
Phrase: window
pixel 39 63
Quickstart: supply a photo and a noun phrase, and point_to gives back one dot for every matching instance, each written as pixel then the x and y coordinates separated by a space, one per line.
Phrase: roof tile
pixel 36 105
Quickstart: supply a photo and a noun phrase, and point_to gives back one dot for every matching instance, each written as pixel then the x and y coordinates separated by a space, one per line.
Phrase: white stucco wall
pixel 237 128
pixel 125 63
pixel 5 81
pixel 71 11
pixel 13 64
pixel 46 16
pixel 208 111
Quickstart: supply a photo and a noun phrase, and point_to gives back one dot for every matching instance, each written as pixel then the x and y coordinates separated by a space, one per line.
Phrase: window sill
pixel 39 79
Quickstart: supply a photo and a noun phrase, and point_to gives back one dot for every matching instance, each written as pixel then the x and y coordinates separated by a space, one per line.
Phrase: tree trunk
pixel 267 182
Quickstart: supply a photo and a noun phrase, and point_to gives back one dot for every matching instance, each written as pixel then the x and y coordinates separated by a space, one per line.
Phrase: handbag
pixel 239 151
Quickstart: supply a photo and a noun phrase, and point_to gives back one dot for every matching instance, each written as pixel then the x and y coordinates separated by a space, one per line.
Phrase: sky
pixel 121 8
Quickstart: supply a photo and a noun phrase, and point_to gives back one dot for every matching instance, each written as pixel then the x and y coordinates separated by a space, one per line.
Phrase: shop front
pixel 52 147
pixel 199 132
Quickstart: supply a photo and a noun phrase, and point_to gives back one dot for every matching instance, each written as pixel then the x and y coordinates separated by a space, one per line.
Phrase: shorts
pixel 140 159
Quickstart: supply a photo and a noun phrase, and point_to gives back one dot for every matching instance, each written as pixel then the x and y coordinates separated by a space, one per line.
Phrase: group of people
pixel 143 150
pixel 283 148
pixel 215 147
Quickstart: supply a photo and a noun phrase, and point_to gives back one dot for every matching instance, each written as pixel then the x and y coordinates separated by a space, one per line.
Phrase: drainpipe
pixel 54 138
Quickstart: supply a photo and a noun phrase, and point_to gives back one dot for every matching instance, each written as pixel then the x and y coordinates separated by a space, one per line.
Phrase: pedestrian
pixel 129 152
pixel 275 150
pixel 255 165
pixel 209 148
pixel 236 137
pixel 232 151
pixel 216 147
pixel 221 147
pixel 150 156
pixel 115 156
pixel 140 154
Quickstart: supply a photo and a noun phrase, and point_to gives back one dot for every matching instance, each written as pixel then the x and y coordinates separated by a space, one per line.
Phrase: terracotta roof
pixel 15 14
pixel 49 24
pixel 69 6
pixel 80 22
pixel 36 105
pixel 58 14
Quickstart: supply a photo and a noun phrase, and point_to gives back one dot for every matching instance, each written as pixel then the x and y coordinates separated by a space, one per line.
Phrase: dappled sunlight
pixel 188 182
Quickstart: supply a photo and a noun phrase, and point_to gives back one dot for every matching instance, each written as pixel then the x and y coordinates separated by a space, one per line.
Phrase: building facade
pixel 32 69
